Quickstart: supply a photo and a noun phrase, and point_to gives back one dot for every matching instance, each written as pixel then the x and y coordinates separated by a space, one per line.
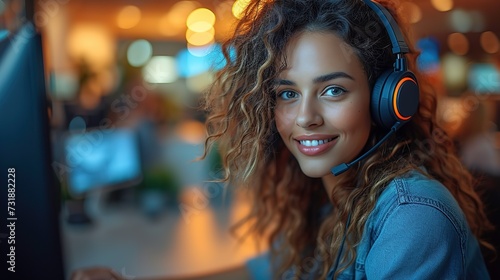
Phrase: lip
pixel 316 150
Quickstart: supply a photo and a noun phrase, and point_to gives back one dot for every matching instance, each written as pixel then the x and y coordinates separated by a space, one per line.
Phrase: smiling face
pixel 322 102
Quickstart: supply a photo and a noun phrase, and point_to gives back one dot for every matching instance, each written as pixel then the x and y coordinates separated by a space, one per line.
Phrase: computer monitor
pixel 102 159
pixel 30 246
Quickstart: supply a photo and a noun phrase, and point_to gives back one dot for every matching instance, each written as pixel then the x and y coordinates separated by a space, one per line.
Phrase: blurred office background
pixel 124 80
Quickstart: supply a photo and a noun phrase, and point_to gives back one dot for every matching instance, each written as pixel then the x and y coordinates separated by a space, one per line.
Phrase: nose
pixel 308 114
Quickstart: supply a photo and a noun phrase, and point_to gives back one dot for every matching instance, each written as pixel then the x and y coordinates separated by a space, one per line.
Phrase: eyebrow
pixel 317 80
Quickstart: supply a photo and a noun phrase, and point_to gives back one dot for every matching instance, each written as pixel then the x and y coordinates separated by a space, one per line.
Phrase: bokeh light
pixel 458 43
pixel 489 42
pixel 454 69
pixel 128 17
pixel 461 20
pixel 91 43
pixel 174 22
pixel 77 124
pixel 189 64
pixel 428 60
pixel 200 51
pixel 200 38
pixel 201 20
pixel 139 52
pixel 160 70
pixel 239 7
pixel 442 5
pixel 412 11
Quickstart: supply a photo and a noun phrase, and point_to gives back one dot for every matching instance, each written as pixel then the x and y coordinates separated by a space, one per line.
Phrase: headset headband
pixel 397 40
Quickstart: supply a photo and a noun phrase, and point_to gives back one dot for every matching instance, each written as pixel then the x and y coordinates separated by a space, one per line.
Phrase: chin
pixel 315 171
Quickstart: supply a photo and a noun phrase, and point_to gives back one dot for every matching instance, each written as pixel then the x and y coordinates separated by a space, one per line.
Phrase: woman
pixel 294 102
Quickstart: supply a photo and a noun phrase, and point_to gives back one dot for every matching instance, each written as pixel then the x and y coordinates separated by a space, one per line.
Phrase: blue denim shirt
pixel 416 231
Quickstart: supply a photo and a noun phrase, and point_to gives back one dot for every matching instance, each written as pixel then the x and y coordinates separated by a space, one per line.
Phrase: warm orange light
pixel 174 22
pixel 489 42
pixel 92 43
pixel 203 240
pixel 200 26
pixel 200 20
pixel 458 43
pixel 128 17
pixel 442 5
pixel 224 27
pixel 196 232
pixel 413 12
pixel 191 132
pixel 171 25
pixel 200 38
pixel 183 8
pixel 239 7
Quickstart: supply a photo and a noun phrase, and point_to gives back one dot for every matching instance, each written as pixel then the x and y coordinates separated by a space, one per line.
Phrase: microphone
pixel 341 168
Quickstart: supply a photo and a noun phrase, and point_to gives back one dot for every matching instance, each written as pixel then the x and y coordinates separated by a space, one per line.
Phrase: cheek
pixel 284 120
pixel 354 117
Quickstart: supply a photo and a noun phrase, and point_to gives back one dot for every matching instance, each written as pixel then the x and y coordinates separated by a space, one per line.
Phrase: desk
pixel 172 245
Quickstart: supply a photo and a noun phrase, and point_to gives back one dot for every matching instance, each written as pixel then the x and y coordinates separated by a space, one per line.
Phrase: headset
pixel 395 94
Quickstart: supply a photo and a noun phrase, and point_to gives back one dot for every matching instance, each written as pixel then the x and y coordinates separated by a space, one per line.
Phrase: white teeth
pixel 313 143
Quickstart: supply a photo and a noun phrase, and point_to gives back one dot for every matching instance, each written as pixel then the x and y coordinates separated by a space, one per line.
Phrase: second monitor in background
pixel 102 159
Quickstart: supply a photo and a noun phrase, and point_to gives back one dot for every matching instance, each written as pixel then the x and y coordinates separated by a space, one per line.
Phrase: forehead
pixel 319 51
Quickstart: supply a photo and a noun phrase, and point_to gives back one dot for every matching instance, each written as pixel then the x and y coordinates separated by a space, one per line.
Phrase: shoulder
pixel 422 198
pixel 420 223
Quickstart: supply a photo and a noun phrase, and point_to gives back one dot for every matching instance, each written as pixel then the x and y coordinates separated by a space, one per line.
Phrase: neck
pixel 333 187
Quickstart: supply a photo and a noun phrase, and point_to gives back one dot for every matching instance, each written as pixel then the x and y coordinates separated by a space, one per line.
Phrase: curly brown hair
pixel 287 203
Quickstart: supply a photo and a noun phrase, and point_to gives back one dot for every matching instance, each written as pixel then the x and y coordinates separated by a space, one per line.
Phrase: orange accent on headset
pixel 395 98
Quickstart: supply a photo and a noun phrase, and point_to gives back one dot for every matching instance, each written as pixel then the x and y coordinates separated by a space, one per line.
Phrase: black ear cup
pixel 395 94
pixel 395 97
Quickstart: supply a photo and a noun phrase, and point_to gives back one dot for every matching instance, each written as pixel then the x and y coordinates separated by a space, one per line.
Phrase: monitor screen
pixel 102 158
